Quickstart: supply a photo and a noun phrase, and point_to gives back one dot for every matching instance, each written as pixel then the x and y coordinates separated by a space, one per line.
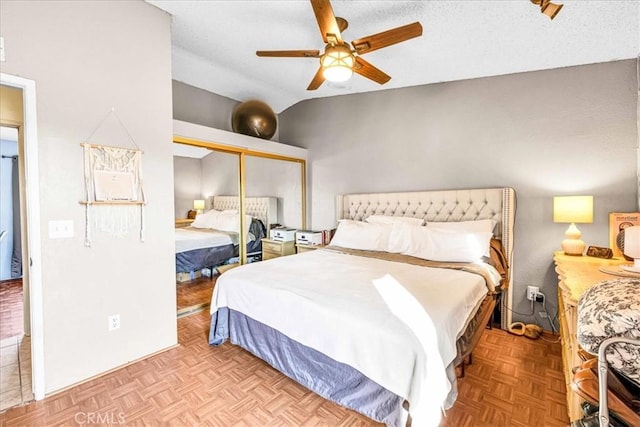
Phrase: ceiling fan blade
pixel 327 21
pixel 367 70
pixel 387 38
pixel 289 53
pixel 318 79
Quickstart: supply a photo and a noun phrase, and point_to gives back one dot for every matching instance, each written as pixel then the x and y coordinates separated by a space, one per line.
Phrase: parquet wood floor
pixel 513 382
pixel 195 292
pixel 11 323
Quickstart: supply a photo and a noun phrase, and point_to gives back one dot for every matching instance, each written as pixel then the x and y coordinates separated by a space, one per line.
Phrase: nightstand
pixel 275 248
pixel 183 222
pixel 305 248
pixel 576 274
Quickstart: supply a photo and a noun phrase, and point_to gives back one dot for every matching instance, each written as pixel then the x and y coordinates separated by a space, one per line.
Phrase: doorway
pixel 18 110
pixel 15 345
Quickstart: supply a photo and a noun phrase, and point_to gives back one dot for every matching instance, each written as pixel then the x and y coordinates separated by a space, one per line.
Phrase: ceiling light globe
pixel 337 62
pixel 337 73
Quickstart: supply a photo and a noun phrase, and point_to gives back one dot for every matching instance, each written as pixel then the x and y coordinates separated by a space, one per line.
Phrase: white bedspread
pixel 330 302
pixel 188 239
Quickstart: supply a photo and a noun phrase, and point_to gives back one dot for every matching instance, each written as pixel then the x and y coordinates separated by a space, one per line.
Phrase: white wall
pixel 556 132
pixel 87 57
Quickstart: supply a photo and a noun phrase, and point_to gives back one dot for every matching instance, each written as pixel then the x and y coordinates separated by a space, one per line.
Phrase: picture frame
pixel 618 221
pixel 113 186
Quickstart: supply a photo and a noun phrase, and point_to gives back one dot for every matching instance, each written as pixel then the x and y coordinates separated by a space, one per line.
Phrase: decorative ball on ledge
pixel 254 118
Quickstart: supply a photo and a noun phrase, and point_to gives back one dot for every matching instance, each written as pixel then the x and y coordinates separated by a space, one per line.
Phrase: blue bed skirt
pixel 335 381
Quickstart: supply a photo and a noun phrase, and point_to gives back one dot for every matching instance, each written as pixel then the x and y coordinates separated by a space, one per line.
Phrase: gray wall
pixel 220 174
pixel 194 105
pixel 216 174
pixel 277 178
pixel 556 132
pixel 87 57
pixel 187 183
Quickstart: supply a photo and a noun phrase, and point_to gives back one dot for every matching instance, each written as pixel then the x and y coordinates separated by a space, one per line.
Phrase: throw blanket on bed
pixel 492 277
pixel 350 308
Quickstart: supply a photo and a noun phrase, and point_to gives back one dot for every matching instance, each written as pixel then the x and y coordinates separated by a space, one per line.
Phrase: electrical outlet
pixel 532 291
pixel 114 322
pixel 543 314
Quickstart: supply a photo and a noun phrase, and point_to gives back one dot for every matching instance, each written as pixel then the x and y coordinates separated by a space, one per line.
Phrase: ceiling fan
pixel 339 59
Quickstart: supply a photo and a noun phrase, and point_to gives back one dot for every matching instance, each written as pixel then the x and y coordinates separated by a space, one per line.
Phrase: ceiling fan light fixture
pixel 337 63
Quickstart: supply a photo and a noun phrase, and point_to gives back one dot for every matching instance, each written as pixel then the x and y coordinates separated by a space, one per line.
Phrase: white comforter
pixel 380 317
pixel 188 239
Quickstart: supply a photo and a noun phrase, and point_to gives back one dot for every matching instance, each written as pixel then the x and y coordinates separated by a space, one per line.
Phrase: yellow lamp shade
pixel 573 209
pixel 198 205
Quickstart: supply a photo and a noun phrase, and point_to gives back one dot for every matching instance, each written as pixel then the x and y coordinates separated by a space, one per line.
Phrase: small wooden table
pixel 276 248
pixel 183 222
pixel 300 247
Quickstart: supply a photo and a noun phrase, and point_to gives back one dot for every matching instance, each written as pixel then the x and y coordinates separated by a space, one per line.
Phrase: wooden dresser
pixel 576 274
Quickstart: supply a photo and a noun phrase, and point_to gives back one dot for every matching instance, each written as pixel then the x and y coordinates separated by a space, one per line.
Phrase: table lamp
pixel 573 209
pixel 632 248
pixel 198 205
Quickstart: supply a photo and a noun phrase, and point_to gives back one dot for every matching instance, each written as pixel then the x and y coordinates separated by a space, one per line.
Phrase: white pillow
pixel 401 236
pixel 361 235
pixel 204 220
pixel 480 225
pixel 449 246
pixel 384 219
pixel 227 221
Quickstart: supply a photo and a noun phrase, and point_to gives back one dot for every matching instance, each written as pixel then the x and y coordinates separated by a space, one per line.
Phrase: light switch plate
pixel 60 229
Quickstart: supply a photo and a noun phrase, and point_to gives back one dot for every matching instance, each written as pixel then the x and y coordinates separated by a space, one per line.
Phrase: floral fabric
pixel 612 309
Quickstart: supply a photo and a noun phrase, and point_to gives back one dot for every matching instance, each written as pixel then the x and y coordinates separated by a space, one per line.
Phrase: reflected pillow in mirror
pixel 204 220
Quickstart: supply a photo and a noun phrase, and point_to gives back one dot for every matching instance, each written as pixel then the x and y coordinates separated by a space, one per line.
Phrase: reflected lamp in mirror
pixel 572 210
pixel 198 205
pixel 632 247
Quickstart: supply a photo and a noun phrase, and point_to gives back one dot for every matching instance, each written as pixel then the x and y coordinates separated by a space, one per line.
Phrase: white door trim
pixel 34 248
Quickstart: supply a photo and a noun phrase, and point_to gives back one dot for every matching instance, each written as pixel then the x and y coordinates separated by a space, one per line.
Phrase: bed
pixel 378 332
pixel 200 248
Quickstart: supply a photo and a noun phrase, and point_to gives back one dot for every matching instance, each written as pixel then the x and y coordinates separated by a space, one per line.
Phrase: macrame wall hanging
pixel 113 186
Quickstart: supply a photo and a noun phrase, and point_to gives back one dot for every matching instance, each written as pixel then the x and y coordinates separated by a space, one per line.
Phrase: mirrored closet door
pixel 207 221
pixel 245 193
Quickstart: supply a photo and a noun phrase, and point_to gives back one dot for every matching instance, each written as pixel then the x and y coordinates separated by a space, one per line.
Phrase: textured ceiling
pixel 214 42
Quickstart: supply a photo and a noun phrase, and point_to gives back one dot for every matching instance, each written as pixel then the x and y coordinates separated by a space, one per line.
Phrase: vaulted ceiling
pixel 215 42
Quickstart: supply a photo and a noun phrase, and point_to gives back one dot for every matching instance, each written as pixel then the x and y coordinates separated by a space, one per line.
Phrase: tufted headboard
pixel 263 208
pixel 444 206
